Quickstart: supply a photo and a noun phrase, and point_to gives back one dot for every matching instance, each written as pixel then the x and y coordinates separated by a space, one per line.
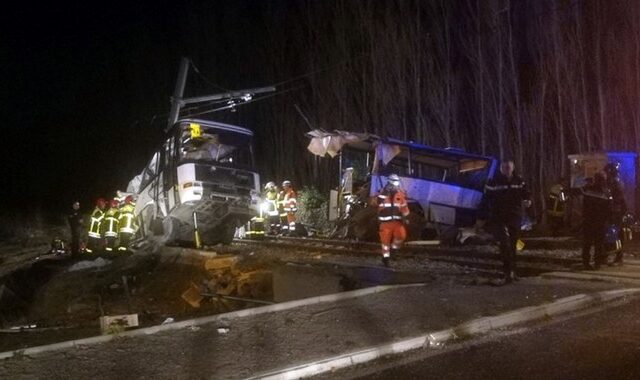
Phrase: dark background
pixel 86 87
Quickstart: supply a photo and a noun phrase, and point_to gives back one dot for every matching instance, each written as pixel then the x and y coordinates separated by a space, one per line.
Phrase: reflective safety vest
pixel 290 203
pixel 96 219
pixel 392 205
pixel 271 198
pixel 126 219
pixel 557 201
pixel 109 226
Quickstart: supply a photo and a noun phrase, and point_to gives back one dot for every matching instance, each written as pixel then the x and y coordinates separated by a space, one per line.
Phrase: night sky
pixel 86 89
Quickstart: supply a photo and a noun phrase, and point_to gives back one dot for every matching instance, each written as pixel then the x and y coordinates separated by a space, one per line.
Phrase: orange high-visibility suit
pixel 290 205
pixel 392 213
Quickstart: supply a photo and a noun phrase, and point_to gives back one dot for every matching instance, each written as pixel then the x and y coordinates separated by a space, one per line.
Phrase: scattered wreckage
pixel 444 186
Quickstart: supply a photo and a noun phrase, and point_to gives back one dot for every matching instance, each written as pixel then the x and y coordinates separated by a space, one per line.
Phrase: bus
pixel 444 185
pixel 202 178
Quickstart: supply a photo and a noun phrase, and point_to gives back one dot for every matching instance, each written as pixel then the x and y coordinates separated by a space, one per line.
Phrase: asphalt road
pixel 601 345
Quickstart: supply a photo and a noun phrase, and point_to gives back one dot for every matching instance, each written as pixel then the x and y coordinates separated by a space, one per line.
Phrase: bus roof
pixel 218 125
pixel 366 142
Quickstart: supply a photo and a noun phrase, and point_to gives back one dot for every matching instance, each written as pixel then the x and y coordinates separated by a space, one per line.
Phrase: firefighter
pixel 127 224
pixel 596 215
pixel 289 206
pixel 618 205
pixel 109 226
pixel 393 213
pixel 95 238
pixel 75 224
pixel 505 196
pixel 271 207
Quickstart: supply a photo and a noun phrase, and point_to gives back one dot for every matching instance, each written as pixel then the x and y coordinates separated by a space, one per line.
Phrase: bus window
pixel 215 145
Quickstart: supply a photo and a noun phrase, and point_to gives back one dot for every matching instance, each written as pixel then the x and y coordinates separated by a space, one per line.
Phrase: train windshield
pixel 215 145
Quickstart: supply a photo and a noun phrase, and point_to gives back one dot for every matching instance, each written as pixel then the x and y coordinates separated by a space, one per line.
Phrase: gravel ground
pixel 265 342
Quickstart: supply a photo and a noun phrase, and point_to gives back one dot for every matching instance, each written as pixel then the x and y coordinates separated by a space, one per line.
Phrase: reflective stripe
pixel 110 234
pixel 94 235
pixel 390 217
pixel 596 195
pixel 127 230
pixel 122 248
pixel 504 187
pixel 109 249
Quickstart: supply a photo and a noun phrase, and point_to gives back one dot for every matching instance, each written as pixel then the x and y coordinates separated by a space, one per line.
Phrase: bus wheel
pixel 227 232
pixel 171 229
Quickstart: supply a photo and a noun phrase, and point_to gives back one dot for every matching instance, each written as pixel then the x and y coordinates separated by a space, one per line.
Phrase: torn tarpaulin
pixel 323 143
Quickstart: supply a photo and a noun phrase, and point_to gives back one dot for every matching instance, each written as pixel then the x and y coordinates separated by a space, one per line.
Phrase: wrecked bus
pixel 444 186
pixel 203 178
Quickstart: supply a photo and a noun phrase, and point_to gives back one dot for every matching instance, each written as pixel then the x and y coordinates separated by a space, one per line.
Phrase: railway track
pixel 486 258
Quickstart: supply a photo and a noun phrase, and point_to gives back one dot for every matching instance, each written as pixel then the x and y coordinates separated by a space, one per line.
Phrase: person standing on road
pixel 596 214
pixel 75 224
pixel 393 213
pixel 271 206
pixel 618 204
pixel 95 239
pixel 127 223
pixel 109 226
pixel 290 206
pixel 504 198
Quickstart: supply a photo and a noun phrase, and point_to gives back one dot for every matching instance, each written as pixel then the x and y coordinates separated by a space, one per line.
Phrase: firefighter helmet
pixel 101 203
pixel 129 199
pixel 286 183
pixel 394 180
pixel 269 186
pixel 114 203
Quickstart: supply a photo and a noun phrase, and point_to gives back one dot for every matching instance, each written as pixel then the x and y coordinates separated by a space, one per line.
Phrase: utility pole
pixel 178 101
pixel 178 93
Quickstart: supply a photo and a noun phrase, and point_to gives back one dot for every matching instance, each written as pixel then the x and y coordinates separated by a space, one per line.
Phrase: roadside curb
pixel 616 278
pixel 437 338
pixel 206 320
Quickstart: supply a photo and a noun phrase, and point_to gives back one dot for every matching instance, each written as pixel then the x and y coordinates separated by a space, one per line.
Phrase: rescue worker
pixel 596 214
pixel 283 224
pixel 75 224
pixel 127 223
pixel 271 207
pixel 95 238
pixel 109 226
pixel 58 247
pixel 393 213
pixel 289 206
pixel 618 205
pixel 504 198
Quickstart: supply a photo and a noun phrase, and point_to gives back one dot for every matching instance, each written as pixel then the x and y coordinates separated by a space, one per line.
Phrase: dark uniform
pixel 596 213
pixel 618 210
pixel 76 226
pixel 502 208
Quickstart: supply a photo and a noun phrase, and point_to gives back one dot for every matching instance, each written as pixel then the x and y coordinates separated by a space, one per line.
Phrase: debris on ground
pixel 113 324
pixel 88 264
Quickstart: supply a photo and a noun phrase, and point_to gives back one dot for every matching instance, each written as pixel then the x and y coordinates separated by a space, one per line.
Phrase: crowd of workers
pixel 277 215
pixel 112 226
